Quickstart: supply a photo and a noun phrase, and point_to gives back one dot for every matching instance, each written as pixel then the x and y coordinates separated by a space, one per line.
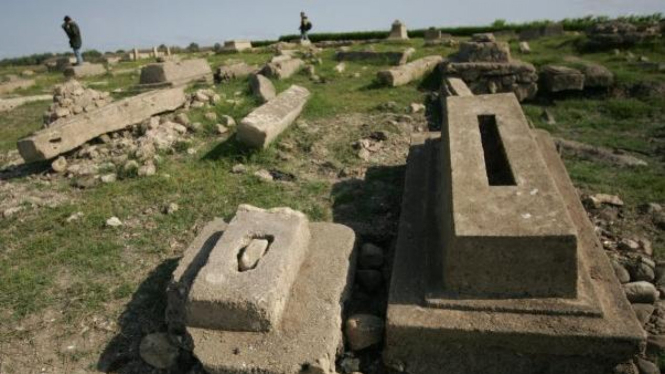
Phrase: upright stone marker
pixel 265 123
pixel 398 31
pixel 497 268
pixel 283 315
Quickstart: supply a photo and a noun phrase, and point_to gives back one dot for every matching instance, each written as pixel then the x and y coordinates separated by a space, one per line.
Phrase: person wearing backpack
pixel 305 26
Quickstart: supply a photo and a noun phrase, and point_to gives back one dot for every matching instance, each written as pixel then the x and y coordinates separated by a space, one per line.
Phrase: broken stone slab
pixel 283 69
pixel 404 74
pixel 310 330
pixel 483 51
pixel 429 331
pixel 85 70
pixel 244 285
pixel 597 76
pixel 236 45
pixel 67 134
pixel 9 104
pixel 495 77
pixel 174 74
pixel 262 88
pixel 265 123
pixel 555 78
pixel 455 87
pixel 235 71
pixel 12 85
pixel 395 58
pixel 591 152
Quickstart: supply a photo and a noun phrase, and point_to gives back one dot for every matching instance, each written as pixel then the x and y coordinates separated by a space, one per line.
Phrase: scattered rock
pixel 211 116
pixel 642 270
pixel 228 121
pixel 640 292
pixel 74 217
pixel 11 211
pixel 628 245
pixel 59 165
pixel 548 117
pixel 108 178
pixel 182 119
pixel 416 108
pixel 643 312
pixel 147 170
pixel 621 272
pixel 158 351
pixel 340 68
pixel 239 169
pixel 598 200
pixel 113 222
pixel 363 330
pixel 646 367
pixel 221 129
pixel 171 209
pixel 264 175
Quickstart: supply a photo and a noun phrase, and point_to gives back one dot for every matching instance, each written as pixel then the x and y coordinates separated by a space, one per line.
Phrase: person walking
pixel 74 34
pixel 305 26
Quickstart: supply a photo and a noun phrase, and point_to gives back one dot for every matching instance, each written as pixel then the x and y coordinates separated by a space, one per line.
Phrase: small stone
pixel 371 257
pixel 643 312
pixel 640 292
pixel 109 178
pixel 340 68
pixel 363 330
pixel 642 270
pixel 228 121
pixel 651 208
pixel 350 365
pixel 621 272
pixel 364 154
pixel 191 151
pixel 252 254
pixel 264 175
pixel 211 116
pixel 239 169
pixel 11 211
pixel 74 217
pixel 646 367
pixel 626 368
pixel 147 170
pixel 645 246
pixel 158 351
pixel 598 200
pixel 182 119
pixel 113 222
pixel 195 127
pixel 370 280
pixel 416 108
pixel 59 165
pixel 171 208
pixel 548 117
pixel 201 97
pixel 221 129
pixel 656 344
pixel 628 245
pixel 131 166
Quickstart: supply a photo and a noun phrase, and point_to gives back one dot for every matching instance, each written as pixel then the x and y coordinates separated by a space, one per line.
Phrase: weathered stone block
pixel 484 52
pixel 172 73
pixel 237 45
pixel 85 70
pixel 283 69
pixel 554 78
pixel 225 297
pixel 455 87
pixel 398 31
pixel 64 135
pixel 597 76
pixel 310 330
pixel 412 71
pixel 265 123
pixel 431 329
pixel 235 71
pixel 395 58
pixel 262 88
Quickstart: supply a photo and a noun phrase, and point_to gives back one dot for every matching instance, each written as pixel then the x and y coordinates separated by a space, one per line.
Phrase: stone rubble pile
pixel 486 66
pixel 619 34
pixel 72 98
pixel 642 277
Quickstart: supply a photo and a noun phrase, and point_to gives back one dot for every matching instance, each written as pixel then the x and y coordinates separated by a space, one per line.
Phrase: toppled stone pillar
pixel 398 31
pixel 67 134
pixel 235 71
pixel 281 315
pixel 555 78
pixel 265 123
pixel 455 87
pixel 262 88
pixel 412 71
pixel 175 73
pixel 85 70
pixel 236 45
pixel 497 265
pixel 282 69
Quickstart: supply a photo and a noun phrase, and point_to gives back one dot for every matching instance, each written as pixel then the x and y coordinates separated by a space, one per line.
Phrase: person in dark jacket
pixel 305 26
pixel 74 34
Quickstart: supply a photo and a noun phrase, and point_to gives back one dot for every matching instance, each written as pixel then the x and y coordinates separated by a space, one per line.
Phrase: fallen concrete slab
pixel 394 58
pixel 283 68
pixel 404 74
pixel 309 331
pixel 85 70
pixel 67 134
pixel 454 320
pixel 175 73
pixel 9 104
pixel 555 78
pixel 12 85
pixel 235 71
pixel 265 123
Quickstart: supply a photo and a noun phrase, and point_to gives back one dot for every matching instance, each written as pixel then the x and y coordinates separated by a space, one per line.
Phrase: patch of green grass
pixel 20 122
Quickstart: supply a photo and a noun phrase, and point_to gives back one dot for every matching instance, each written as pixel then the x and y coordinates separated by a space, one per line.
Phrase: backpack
pixel 308 26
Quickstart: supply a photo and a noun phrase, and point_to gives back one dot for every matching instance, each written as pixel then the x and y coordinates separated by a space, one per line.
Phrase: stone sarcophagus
pixel 497 267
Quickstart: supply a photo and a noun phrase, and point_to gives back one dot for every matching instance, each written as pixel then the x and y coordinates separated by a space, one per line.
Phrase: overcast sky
pixel 33 26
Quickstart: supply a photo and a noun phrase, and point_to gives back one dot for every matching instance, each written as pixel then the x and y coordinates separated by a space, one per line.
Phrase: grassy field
pixel 60 281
